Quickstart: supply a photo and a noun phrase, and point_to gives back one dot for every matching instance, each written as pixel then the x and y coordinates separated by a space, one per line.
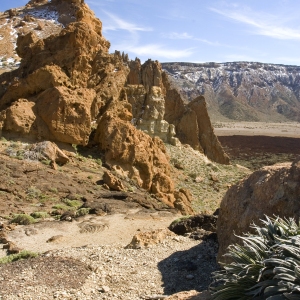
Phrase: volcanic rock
pixel 271 191
pixel 190 295
pixel 48 151
pixel 146 239
pixel 201 221
pixel 112 181
pixel 69 89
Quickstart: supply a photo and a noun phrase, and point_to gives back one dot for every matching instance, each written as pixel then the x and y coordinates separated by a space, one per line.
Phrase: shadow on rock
pixel 190 269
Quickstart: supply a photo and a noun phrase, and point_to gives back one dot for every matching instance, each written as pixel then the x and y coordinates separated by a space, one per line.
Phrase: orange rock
pixel 146 239
pixel 112 181
pixel 272 190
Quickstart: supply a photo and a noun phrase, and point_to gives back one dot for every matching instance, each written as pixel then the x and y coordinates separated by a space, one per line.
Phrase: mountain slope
pixel 244 91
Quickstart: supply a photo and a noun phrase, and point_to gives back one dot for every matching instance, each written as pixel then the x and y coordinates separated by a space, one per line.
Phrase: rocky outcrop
pixel 159 110
pixel 148 113
pixel 141 157
pixel 69 89
pixel 112 181
pixel 272 190
pixel 192 124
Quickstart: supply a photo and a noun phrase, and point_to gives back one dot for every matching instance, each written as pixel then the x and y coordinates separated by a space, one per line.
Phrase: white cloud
pixel 263 24
pixel 178 36
pixel 155 50
pixel 186 36
pixel 116 23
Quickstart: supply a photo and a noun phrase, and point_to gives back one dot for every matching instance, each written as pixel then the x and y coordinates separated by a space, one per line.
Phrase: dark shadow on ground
pixel 190 269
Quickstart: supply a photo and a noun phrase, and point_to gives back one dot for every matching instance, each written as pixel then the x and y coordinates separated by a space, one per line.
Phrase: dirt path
pixel 117 229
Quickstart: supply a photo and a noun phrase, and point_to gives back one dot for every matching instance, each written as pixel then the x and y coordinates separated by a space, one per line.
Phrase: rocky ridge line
pixel 243 91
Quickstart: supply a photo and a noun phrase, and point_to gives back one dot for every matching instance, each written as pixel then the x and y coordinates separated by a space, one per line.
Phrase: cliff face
pixel 241 90
pixel 158 109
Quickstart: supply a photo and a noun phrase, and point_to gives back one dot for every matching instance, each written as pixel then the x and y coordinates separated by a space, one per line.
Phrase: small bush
pixel 14 257
pixel 22 219
pixel 53 190
pixel 267 266
pixel 33 192
pixel 62 207
pixel 46 162
pixel 39 215
pixel 98 161
pixel 180 219
pixel 72 203
pixel 82 212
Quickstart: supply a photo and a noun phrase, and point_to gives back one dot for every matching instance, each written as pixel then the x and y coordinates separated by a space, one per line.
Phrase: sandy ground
pixel 117 229
pixel 291 129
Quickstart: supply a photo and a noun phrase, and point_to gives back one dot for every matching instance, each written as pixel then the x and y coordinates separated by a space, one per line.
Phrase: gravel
pixel 112 272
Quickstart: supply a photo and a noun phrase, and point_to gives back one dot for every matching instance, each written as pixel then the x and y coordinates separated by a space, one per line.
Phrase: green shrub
pixel 22 219
pixel 72 203
pixel 267 266
pixel 13 257
pixel 98 161
pixel 62 207
pixel 53 190
pixel 82 212
pixel 39 215
pixel 46 162
pixel 180 219
pixel 33 192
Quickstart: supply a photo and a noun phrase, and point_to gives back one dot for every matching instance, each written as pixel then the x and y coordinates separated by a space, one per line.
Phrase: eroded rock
pixel 271 191
pixel 147 239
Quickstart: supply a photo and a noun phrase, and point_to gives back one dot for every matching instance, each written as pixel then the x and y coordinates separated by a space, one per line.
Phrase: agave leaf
pixel 273 290
pixel 297 272
pixel 279 270
pixel 286 277
pixel 292 296
pixel 276 297
pixel 276 262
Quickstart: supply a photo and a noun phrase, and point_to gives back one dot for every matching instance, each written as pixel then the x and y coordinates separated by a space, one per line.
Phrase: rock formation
pixel 271 191
pixel 69 89
pixel 159 110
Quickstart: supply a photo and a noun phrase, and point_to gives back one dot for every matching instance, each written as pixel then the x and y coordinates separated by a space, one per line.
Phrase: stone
pixel 3 237
pixel 55 239
pixel 272 191
pixel 104 289
pixel 12 248
pixel 194 223
pixel 190 295
pixel 147 239
pixel 112 181
pixel 46 151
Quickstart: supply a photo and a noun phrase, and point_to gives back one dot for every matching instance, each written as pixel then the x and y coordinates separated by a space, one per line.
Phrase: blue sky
pixel 200 30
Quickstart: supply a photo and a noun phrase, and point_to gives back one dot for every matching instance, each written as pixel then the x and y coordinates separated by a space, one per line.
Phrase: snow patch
pixel 45 14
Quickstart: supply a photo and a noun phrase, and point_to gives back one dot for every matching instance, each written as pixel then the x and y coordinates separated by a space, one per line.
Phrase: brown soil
pixel 257 151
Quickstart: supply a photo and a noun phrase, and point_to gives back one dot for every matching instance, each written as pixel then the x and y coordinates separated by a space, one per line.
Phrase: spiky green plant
pixel 267 266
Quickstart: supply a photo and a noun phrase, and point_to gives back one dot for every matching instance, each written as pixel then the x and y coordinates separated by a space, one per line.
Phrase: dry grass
pixel 207 181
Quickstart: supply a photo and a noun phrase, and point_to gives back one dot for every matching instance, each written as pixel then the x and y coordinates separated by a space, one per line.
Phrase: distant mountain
pixel 244 91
